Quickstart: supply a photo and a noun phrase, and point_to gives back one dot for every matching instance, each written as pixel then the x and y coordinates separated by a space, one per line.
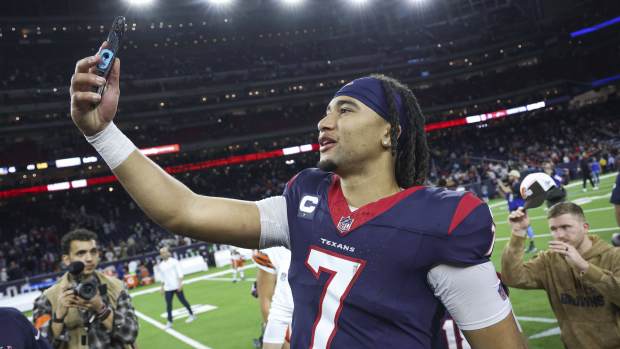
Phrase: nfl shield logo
pixel 344 224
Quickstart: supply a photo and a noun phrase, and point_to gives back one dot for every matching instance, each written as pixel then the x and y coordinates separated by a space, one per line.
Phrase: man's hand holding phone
pixel 95 84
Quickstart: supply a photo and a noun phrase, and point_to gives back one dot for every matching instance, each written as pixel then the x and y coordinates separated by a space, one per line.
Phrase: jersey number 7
pixel 344 271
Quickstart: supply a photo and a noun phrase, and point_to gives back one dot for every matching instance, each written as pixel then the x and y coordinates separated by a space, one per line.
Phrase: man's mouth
pixel 326 143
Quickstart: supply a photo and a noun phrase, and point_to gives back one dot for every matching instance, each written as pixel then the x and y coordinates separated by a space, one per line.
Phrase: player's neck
pixel 360 190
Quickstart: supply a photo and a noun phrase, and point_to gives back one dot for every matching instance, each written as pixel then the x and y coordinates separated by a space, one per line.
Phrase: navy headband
pixel 369 91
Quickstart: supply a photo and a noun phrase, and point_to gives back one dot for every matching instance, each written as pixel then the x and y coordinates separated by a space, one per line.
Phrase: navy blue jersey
pixel 359 279
pixel 17 333
pixel 615 193
pixel 450 336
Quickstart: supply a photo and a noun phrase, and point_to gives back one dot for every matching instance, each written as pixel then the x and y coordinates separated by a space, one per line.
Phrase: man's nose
pixel 327 122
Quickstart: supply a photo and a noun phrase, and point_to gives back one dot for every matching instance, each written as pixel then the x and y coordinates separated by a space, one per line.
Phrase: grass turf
pixel 236 320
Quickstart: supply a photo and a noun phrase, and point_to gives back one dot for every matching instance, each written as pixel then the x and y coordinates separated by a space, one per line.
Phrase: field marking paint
pixel 230 279
pixel 174 333
pixel 578 182
pixel 571 185
pixel 548 333
pixel 599 230
pixel 181 313
pixel 584 211
pixel 545 320
pixel 191 281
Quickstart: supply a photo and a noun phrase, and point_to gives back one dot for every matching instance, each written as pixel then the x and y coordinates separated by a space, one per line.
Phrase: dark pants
pixel 587 177
pixel 181 297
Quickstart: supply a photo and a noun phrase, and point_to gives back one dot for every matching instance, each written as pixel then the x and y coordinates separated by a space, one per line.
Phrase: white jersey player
pixel 274 264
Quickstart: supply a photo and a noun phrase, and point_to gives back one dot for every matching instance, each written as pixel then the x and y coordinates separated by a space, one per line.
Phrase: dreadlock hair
pixel 410 149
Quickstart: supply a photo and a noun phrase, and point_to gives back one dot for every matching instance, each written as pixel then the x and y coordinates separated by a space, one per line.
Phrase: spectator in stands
pixel 579 273
pixel 107 320
pixel 14 272
pixel 171 276
pixel 43 219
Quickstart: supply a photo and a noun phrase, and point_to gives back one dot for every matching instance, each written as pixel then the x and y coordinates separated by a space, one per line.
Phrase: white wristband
pixel 113 146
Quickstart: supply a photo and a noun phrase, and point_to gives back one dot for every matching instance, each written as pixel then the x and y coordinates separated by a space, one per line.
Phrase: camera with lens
pixel 85 289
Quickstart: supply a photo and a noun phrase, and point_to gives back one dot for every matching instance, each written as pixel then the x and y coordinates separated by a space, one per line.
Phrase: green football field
pixel 230 317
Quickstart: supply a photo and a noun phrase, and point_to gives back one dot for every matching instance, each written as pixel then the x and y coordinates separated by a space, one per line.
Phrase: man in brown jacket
pixel 581 274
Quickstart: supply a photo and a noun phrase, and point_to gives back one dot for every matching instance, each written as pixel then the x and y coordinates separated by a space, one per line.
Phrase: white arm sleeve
pixel 273 222
pixel 471 295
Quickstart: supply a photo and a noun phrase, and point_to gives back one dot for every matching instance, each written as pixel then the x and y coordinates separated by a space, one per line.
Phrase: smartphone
pixel 108 54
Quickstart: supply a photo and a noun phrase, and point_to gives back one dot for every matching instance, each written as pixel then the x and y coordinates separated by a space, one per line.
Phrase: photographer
pixel 85 308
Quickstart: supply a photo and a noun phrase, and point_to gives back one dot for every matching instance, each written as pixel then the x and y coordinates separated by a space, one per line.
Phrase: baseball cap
pixel 514 173
pixel 534 189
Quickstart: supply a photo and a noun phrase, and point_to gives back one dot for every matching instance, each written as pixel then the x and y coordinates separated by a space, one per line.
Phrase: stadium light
pixel 418 4
pixel 220 3
pixel 140 2
pixel 292 2
pixel 359 3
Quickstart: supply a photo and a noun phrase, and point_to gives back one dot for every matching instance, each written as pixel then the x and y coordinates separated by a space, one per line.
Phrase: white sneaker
pixel 168 325
pixel 585 190
pixel 596 188
pixel 190 319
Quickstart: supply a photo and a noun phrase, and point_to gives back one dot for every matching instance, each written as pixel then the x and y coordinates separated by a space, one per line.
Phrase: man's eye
pixel 344 110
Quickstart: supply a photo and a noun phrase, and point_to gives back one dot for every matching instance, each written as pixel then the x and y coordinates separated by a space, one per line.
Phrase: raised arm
pixel 516 272
pixel 163 198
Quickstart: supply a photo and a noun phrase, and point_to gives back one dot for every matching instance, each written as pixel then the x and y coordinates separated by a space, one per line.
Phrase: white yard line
pixel 230 279
pixel 546 235
pixel 548 333
pixel 183 338
pixel 574 184
pixel 580 182
pixel 537 319
pixel 191 281
pixel 533 218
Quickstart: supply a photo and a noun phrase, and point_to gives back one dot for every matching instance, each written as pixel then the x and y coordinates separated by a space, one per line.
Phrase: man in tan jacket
pixel 581 274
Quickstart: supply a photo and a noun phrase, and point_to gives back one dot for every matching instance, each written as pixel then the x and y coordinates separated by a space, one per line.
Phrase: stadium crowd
pixel 473 158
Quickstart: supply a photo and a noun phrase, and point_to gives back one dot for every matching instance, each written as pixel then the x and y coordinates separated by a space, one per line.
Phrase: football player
pixel 275 296
pixel 355 226
pixel 236 261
